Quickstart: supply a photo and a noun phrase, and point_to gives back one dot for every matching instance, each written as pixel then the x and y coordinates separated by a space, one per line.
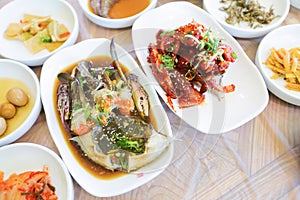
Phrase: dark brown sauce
pixel 125 8
pixel 91 167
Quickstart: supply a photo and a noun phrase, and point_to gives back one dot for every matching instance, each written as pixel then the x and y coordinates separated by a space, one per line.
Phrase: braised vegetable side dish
pixel 188 61
pixel 249 11
pixel 28 185
pixel 38 33
pixel 108 114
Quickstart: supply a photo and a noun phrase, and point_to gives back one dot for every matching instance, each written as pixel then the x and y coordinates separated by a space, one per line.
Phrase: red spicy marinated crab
pixel 188 61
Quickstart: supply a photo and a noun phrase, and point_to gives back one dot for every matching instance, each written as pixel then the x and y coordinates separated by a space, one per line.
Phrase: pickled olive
pixel 17 97
pixel 3 126
pixel 7 110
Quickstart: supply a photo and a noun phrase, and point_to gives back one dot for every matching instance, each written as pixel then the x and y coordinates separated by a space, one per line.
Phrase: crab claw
pixel 116 62
pixel 139 96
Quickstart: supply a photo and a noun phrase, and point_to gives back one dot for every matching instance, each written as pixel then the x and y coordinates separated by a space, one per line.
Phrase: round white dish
pixel 283 37
pixel 94 185
pixel 13 11
pixel 22 157
pixel 242 30
pixel 112 23
pixel 15 70
pixel 214 116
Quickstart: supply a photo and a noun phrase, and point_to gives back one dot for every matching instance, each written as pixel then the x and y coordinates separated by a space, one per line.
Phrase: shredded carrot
pixel 43 25
pixel 29 185
pixel 23 21
pixel 63 35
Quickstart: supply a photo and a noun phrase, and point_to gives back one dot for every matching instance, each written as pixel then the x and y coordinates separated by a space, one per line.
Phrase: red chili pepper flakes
pixel 229 88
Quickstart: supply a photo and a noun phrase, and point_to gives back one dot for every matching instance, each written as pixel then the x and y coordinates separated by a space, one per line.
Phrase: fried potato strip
pixel 285 63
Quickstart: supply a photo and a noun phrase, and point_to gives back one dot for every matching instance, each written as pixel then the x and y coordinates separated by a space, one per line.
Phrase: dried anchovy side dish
pixel 34 185
pixel 188 61
pixel 249 11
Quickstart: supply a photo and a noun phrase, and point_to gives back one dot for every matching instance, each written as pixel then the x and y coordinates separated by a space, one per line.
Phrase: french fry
pixel 286 64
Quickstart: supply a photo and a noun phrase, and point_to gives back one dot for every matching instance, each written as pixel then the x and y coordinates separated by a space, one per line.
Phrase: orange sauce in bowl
pixel 127 8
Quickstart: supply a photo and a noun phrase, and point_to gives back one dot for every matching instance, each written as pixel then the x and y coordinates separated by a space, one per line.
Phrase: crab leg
pixel 139 95
pixel 116 63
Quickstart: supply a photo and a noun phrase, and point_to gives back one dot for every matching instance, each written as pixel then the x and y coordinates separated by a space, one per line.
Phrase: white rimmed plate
pixel 213 116
pixel 283 37
pixel 93 185
pixel 22 157
pixel 242 30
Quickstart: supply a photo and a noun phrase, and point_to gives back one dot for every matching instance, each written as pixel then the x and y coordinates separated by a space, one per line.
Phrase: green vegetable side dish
pixel 249 11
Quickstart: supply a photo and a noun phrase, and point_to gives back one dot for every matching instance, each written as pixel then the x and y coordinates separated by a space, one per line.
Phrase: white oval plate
pixel 214 116
pixel 288 38
pixel 93 185
pixel 242 30
pixel 22 157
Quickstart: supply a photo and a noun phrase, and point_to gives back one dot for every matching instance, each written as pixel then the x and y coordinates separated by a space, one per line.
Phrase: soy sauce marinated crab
pixel 188 61
pixel 107 113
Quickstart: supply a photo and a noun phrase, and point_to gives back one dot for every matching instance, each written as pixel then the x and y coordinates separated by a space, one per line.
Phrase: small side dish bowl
pixel 20 75
pixel 22 157
pixel 242 29
pixel 112 23
pixel 288 38
pixel 13 12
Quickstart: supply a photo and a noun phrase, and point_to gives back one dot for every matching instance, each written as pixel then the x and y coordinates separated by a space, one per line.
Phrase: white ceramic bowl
pixel 289 38
pixel 112 23
pixel 15 70
pixel 12 12
pixel 242 30
pixel 22 157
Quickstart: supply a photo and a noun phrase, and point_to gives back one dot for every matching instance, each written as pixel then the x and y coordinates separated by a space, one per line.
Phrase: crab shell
pixel 155 145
